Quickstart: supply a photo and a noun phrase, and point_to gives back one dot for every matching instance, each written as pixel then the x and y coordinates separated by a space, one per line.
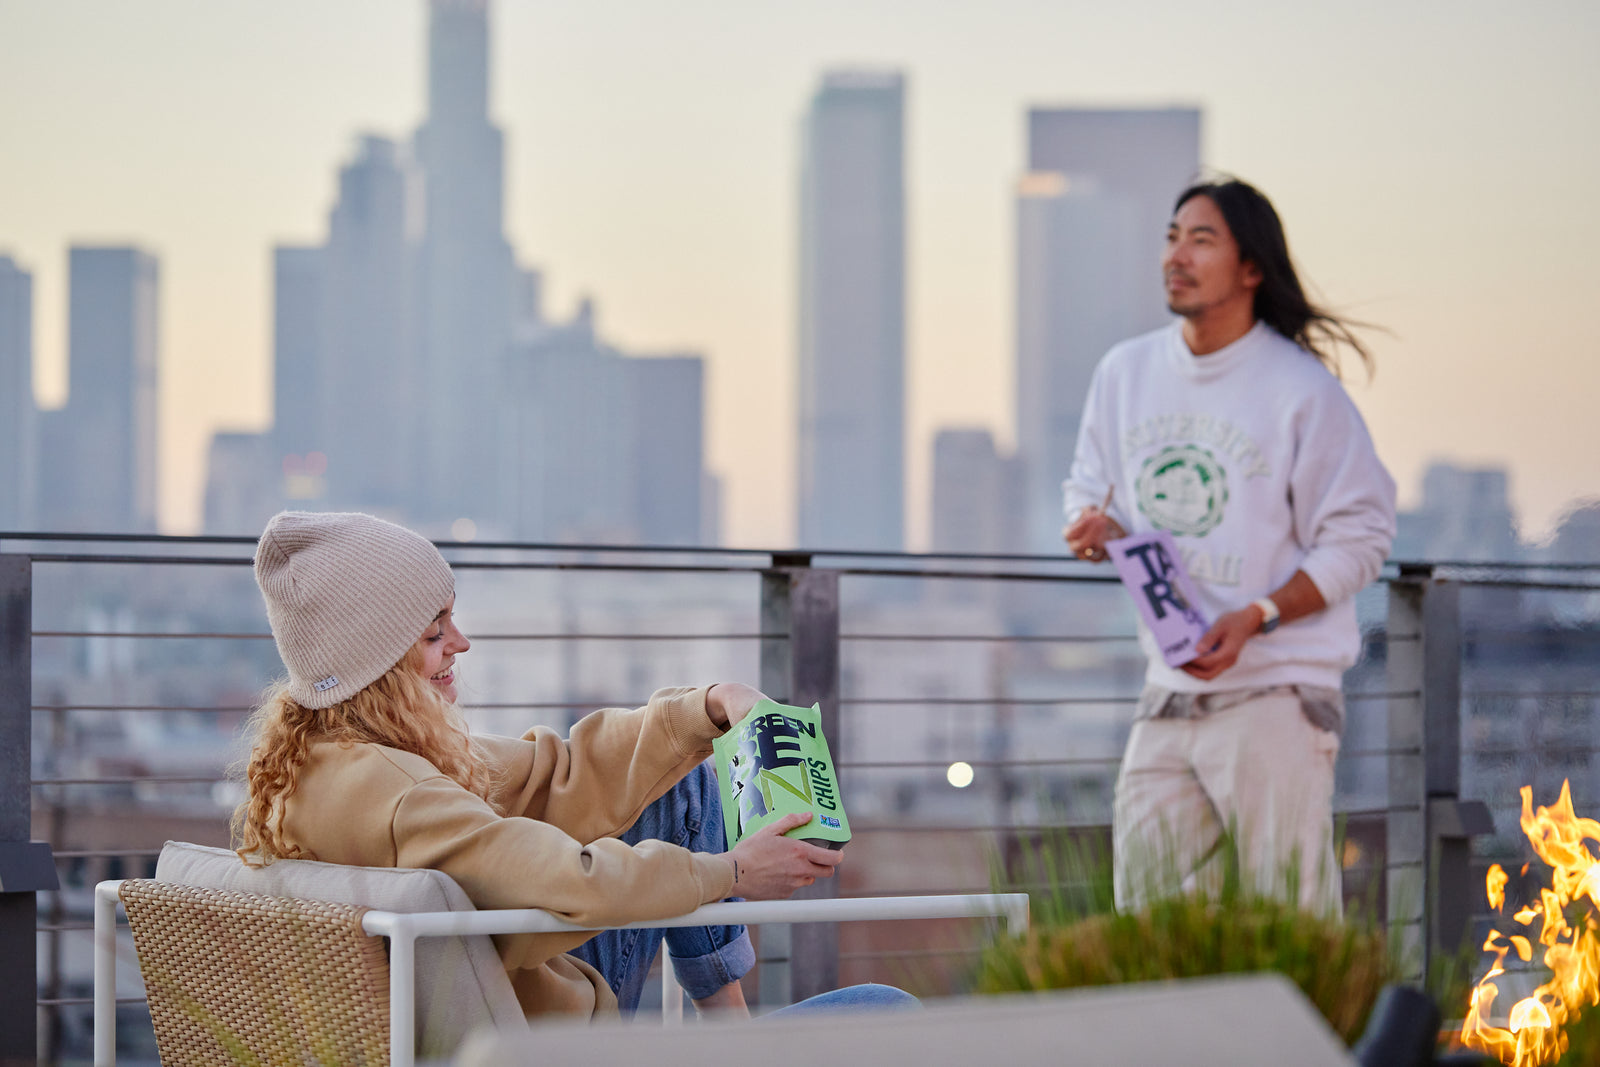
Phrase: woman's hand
pixel 728 702
pixel 769 866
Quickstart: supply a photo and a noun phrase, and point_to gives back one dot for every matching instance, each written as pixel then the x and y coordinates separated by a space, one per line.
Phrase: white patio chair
pixel 286 958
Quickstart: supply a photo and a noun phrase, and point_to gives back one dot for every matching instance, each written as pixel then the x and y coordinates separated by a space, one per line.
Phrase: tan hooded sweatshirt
pixel 567 799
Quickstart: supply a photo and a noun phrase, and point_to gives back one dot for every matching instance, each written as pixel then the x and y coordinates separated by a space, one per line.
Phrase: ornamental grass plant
pixel 1077 938
pixel 1583 1036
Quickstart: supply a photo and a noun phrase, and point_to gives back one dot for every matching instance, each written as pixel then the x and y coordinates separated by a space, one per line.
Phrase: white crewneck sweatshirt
pixel 1256 461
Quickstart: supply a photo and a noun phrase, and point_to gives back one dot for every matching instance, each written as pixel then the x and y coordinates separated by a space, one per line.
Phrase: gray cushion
pixel 461 984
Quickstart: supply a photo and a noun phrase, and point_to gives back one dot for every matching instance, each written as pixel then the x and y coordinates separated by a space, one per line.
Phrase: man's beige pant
pixel 1258 770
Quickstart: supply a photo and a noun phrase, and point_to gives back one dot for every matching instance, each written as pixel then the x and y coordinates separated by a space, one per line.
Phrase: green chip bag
pixel 776 762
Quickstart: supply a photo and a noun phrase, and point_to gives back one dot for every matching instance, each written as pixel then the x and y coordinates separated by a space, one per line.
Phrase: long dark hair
pixel 1281 300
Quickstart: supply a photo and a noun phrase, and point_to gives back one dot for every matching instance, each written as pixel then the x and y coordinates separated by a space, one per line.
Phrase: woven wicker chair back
pixel 241 978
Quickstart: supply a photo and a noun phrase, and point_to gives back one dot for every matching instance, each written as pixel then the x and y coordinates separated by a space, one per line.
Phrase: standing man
pixel 1230 430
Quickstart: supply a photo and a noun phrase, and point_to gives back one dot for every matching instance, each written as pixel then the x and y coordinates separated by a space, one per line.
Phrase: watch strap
pixel 1269 614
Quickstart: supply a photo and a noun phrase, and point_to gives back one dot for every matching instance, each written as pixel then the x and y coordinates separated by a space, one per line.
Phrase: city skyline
pixel 1429 164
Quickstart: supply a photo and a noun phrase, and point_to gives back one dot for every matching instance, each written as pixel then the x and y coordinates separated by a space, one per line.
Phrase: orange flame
pixel 1535 1026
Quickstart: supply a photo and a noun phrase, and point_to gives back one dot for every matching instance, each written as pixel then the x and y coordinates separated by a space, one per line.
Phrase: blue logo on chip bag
pixel 829 820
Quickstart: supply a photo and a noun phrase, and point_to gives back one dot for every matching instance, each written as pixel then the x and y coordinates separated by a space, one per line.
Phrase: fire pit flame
pixel 1528 1013
pixel 1535 1027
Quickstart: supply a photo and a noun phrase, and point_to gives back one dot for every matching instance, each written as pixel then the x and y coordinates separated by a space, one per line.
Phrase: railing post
pixel 1429 890
pixel 800 666
pixel 25 866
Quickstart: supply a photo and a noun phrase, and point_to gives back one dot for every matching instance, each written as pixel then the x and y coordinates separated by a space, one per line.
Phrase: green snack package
pixel 776 762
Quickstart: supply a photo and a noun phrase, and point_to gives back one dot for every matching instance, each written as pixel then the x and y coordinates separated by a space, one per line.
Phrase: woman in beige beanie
pixel 360 756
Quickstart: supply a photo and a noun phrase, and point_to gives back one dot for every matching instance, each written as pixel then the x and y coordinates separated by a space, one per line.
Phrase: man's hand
pixel 1220 646
pixel 728 702
pixel 1087 536
pixel 769 866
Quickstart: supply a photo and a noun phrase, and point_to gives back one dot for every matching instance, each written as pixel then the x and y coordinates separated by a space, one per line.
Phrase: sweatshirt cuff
pixel 688 725
pixel 715 874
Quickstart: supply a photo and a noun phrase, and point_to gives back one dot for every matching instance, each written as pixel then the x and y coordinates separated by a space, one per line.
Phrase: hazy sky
pixel 1436 164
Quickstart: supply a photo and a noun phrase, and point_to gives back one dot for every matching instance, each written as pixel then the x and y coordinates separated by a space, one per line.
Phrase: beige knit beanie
pixel 347 594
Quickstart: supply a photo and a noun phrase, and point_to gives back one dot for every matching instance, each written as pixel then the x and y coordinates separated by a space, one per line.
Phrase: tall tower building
pixel 1092 211
pixel 636 475
pixel 467 270
pixel 974 494
pixel 669 456
pixel 368 359
pixel 299 441
pixel 851 448
pixel 99 472
pixel 347 389
pixel 19 431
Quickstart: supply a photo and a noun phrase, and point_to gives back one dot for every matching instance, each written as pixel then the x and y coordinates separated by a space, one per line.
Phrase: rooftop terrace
pixel 128 664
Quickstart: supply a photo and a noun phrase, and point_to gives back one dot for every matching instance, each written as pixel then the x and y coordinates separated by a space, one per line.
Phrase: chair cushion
pixel 461 984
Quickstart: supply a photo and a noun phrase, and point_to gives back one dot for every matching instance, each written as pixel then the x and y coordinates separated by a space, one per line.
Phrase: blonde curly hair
pixel 400 710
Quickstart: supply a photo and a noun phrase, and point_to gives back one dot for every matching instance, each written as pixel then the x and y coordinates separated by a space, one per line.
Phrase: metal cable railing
pixel 993 673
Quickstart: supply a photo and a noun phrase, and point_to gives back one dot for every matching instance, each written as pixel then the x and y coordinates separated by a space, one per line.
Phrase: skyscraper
pixel 1091 213
pixel 100 471
pixel 851 396
pixel 297 367
pixel 1080 282
pixel 974 497
pixel 19 430
pixel 605 446
pixel 1465 514
pixel 467 271
pixel 669 449
pixel 974 503
pixel 243 489
pixel 371 394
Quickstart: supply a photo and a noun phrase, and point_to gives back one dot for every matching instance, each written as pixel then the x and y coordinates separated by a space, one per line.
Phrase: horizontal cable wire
pixel 909 954
pixel 133 779
pixel 214 709
pixel 1532 747
pixel 154 634
pixel 878 765
pixel 1524 694
pixel 172 635
pixel 1406 569
pixel 563 636
pixel 1064 761
pixel 191 561
pixel 1021 639
pixel 586 703
pixel 968 701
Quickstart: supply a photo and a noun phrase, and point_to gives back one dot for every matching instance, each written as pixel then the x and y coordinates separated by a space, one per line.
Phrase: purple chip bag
pixel 1149 565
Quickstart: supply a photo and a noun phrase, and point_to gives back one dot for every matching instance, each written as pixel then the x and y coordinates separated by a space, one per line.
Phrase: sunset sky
pixel 1436 163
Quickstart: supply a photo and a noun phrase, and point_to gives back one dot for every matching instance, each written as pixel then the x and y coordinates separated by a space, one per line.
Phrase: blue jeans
pixel 706 958
pixel 869 997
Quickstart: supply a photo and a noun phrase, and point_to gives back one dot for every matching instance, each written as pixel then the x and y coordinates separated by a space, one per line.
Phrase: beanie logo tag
pixel 326 684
